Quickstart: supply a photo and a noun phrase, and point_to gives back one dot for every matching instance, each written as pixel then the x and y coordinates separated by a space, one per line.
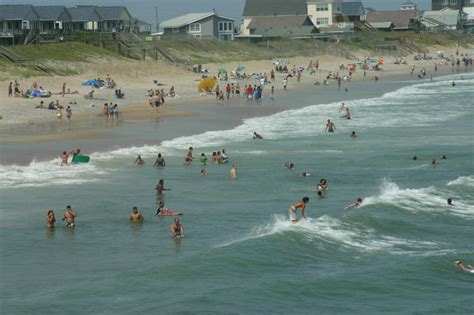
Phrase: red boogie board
pixel 169 213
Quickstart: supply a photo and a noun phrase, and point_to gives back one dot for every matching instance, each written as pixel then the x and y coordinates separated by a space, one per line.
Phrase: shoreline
pixel 189 119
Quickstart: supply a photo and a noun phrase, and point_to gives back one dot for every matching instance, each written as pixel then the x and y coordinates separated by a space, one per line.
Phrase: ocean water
pixel 241 255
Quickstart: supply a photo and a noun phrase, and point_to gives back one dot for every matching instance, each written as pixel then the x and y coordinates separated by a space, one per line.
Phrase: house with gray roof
pixel 17 19
pixel 52 19
pixel 352 11
pixel 114 17
pixel 402 20
pixel 443 20
pixel 285 26
pixel 84 18
pixel 199 25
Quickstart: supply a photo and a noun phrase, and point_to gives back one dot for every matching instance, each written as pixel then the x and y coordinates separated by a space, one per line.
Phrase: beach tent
pixel 94 83
pixel 206 85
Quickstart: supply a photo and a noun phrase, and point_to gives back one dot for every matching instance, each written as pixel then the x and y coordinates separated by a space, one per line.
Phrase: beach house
pixel 52 19
pixel 443 20
pixel 113 18
pixel 84 18
pixel 401 20
pixel 437 5
pixel 199 25
pixel 408 6
pixel 325 15
pixel 16 21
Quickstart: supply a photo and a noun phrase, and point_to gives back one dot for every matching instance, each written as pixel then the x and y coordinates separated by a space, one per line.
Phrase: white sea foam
pixel 428 199
pixel 463 181
pixel 330 230
pixel 144 151
pixel 48 173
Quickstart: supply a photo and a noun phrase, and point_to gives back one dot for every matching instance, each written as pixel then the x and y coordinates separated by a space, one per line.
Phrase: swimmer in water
pixel 177 229
pixel 443 157
pixel 330 127
pixel 160 187
pixel 414 158
pixel 342 109
pixel 189 157
pixel 257 136
pixel 433 162
pixel 292 166
pixel 160 161
pixel 233 172
pixel 69 217
pixel 450 202
pixel 203 172
pixel 462 266
pixel 64 158
pixel 304 174
pixel 353 135
pixel 322 186
pixel 203 159
pixel 139 160
pixel 50 219
pixel 320 195
pixel 301 204
pixel 136 216
pixel 348 114
pixel 357 203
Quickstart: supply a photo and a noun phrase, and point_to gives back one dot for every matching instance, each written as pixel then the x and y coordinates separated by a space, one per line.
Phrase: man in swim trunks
pixel 301 204
pixel 139 160
pixel 136 216
pixel 177 229
pixel 330 127
pixel 69 216
pixel 64 158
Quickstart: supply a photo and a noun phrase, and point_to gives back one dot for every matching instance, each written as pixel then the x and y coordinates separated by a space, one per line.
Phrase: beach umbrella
pixel 206 85
pixel 91 83
pixel 222 70
pixel 240 68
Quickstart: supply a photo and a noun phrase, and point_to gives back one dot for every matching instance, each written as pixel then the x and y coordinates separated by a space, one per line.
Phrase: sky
pixel 145 9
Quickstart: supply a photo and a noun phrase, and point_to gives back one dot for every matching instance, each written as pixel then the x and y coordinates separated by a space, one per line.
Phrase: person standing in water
pixel 160 161
pixel 330 127
pixel 139 160
pixel 233 172
pixel 69 217
pixel 450 202
pixel 301 204
pixel 160 187
pixel 177 229
pixel 203 159
pixel 353 135
pixel 189 157
pixel 136 216
pixel 50 219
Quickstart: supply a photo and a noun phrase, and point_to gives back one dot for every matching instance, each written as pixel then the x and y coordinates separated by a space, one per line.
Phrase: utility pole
pixel 156 16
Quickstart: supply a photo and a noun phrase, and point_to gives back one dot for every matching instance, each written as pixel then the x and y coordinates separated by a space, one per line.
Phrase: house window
pixel 194 28
pixel 453 2
pixel 226 27
pixel 322 21
pixel 175 30
pixel 444 2
pixel 322 7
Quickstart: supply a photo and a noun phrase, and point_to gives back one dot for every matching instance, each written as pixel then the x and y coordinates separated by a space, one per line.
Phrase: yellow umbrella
pixel 206 85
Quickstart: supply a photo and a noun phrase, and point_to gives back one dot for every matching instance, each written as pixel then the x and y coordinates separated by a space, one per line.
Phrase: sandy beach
pixel 135 78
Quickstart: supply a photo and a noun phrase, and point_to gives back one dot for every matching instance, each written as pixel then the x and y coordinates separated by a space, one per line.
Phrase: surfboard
pixel 81 159
pixel 169 213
